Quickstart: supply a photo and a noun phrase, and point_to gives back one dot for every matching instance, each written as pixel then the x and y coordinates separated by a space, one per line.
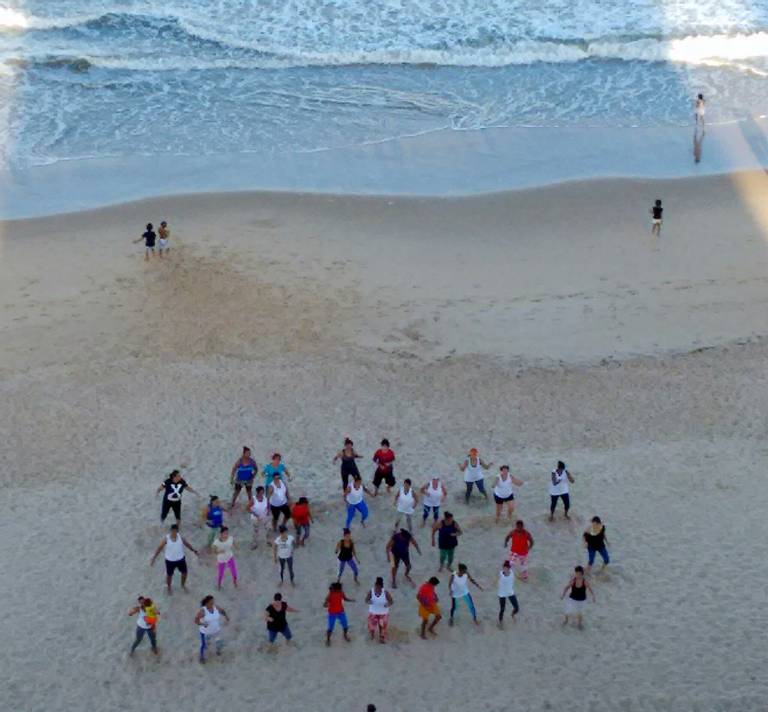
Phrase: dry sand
pixel 533 325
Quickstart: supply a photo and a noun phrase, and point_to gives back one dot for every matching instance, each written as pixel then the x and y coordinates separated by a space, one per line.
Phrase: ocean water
pixel 120 78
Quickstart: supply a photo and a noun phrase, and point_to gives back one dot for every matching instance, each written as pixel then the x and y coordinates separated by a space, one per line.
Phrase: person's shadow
pixel 698 144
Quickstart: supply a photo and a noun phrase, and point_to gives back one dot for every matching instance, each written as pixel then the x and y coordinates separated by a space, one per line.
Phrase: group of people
pixel 151 238
pixel 271 510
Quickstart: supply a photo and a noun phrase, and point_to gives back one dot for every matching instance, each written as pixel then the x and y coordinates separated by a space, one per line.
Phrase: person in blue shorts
pixel 334 602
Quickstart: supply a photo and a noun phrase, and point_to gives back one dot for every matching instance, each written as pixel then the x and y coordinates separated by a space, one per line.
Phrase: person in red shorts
pixel 522 543
pixel 384 457
pixel 427 598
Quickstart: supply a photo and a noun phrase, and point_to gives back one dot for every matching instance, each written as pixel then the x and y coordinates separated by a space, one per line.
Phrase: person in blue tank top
pixel 276 468
pixel 214 519
pixel 243 473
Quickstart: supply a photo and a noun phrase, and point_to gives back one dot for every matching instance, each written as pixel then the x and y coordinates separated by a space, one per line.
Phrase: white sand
pixel 532 325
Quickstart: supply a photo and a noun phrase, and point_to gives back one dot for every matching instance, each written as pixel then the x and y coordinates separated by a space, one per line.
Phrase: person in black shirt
pixel 174 485
pixel 149 240
pixel 275 617
pixel 656 211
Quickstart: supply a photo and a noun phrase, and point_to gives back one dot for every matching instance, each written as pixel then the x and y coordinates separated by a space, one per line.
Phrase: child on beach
pixel 700 108
pixel 164 233
pixel 149 240
pixel 656 212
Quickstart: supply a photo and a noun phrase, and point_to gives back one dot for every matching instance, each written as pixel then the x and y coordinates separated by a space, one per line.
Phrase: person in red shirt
pixel 384 457
pixel 302 518
pixel 427 598
pixel 334 602
pixel 522 543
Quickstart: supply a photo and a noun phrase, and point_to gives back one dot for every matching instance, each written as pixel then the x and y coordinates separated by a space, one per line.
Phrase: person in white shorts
pixel 434 493
pixel 208 622
pixel 577 589
pixel 405 501
pixel 163 234
pixel 258 508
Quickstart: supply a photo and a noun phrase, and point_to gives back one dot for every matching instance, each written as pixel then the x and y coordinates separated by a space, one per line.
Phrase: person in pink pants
pixel 223 546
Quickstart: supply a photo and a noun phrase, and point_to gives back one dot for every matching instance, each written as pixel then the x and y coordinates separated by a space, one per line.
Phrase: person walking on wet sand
pixel 448 532
pixel 384 458
pixel 347 455
pixel 656 218
pixel 473 468
pixel 558 489
pixel 577 589
pixel 379 602
pixel 398 550
pixel 242 475
pixel 163 234
pixel 459 587
pixel 428 606
pixel 173 548
pixel 149 240
pixel 334 602
pixel 143 627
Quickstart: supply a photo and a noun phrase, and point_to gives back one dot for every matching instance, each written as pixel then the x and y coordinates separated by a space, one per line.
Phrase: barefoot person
pixel 459 587
pixel 277 620
pixel 596 542
pixel 164 235
pixel 558 489
pixel 384 458
pixel 576 589
pixel 173 548
pixel 143 627
pixel 398 551
pixel 434 493
pixel 302 520
pixel 656 218
pixel 355 499
pixel 522 543
pixel 173 487
pixel 428 606
pixel 223 547
pixel 448 532
pixel 242 475
pixel 347 455
pixel 258 508
pixel 504 493
pixel 700 109
pixel 334 602
pixel 405 503
pixel 379 602
pixel 214 519
pixel 283 552
pixel 279 502
pixel 274 469
pixel 473 468
pixel 208 622
pixel 149 240
pixel 507 592
pixel 346 555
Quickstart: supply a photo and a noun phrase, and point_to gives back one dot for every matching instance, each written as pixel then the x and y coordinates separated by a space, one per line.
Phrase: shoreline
pixel 444 163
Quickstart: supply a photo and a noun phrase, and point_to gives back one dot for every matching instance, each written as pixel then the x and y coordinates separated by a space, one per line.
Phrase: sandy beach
pixel 535 325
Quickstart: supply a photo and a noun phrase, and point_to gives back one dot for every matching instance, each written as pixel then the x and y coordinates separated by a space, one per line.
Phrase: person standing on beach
pixel 283 552
pixel 558 489
pixel 347 455
pixel 700 109
pixel 174 486
pixel 355 499
pixel 596 542
pixel 208 622
pixel 274 469
pixel 214 519
pixel 279 502
pixel 656 217
pixel 173 548
pixel 522 543
pixel 223 547
pixel 384 458
pixel 507 592
pixel 334 602
pixel 164 234
pixel 379 602
pixel 459 587
pixel 258 508
pixel 398 550
pixel 577 589
pixel 473 468
pixel 503 491
pixel 428 606
pixel 405 503
pixel 434 493
pixel 242 475
pixel 143 627
pixel 276 619
pixel 149 240
pixel 448 532
pixel 346 555
pixel 302 519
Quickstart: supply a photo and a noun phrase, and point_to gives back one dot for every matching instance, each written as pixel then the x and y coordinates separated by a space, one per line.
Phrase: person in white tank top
pixel 504 493
pixel 143 627
pixel 355 499
pixel 473 468
pixel 258 508
pixel 434 493
pixel 378 601
pixel 507 592
pixel 459 586
pixel 277 494
pixel 208 622
pixel 405 502
pixel 173 547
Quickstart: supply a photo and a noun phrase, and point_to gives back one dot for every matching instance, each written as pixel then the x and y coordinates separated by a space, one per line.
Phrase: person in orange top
pixel 334 602
pixel 522 543
pixel 302 518
pixel 427 598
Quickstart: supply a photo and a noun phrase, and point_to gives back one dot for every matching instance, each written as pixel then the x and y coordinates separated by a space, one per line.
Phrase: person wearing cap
pixel 473 468
pixel 164 233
